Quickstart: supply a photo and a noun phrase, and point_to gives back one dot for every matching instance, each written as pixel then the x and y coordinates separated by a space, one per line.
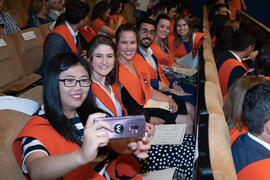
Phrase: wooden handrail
pixel 254 20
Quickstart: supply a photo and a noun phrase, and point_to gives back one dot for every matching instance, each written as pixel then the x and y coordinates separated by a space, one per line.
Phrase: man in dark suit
pixel 230 66
pixel 251 151
pixel 64 37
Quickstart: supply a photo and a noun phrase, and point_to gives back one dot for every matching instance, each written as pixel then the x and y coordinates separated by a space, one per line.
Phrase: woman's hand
pixel 173 107
pixel 156 120
pixel 95 136
pixel 177 87
pixel 140 147
pixel 162 87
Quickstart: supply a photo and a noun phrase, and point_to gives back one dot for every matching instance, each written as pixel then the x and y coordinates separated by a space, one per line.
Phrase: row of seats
pixel 16 4
pixel 21 55
pixel 19 60
pixel 218 135
pixel 19 9
pixel 11 122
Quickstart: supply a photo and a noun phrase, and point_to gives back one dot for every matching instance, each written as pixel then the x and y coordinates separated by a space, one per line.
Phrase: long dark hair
pixel 262 62
pixel 52 100
pixel 112 77
pixel 99 10
pixel 233 105
pixel 115 5
pixel 178 39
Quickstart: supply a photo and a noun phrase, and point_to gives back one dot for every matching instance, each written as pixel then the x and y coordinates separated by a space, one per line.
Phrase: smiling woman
pixel 104 67
pixel 160 45
pixel 184 38
pixel 63 136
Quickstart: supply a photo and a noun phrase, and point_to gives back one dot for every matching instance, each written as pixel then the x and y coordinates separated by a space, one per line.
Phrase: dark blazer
pixel 246 151
pixel 236 73
pixel 54 44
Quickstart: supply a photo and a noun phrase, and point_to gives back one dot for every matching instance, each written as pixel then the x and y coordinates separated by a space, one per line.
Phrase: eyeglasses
pixel 146 31
pixel 73 82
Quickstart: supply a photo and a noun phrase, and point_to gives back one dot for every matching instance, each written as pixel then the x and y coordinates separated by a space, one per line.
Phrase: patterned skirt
pixel 168 156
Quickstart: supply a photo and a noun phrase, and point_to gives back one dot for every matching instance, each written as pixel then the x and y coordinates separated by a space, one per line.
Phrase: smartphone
pixel 126 126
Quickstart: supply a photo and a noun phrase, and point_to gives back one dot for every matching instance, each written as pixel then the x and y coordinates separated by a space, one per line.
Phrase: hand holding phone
pixel 125 126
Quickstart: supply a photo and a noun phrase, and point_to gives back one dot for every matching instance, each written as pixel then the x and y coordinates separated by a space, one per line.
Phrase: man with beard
pixel 146 34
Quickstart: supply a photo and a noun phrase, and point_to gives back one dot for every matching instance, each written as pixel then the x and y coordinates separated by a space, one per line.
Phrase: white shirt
pixel 148 57
pixel 113 98
pixel 237 57
pixel 73 33
pixel 263 143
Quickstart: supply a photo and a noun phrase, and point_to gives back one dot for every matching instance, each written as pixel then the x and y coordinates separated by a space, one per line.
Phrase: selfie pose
pixel 62 139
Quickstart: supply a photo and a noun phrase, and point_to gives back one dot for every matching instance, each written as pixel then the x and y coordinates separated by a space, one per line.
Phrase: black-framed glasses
pixel 73 82
pixel 146 31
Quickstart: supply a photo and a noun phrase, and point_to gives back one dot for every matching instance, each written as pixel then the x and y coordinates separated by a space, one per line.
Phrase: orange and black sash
pixel 161 56
pixel 66 34
pixel 256 170
pixel 172 26
pixel 106 99
pixel 40 128
pixel 225 72
pixel 87 32
pixel 138 88
pixel 181 50
pixel 153 72
pixel 267 78
pixel 235 133
pixel 116 17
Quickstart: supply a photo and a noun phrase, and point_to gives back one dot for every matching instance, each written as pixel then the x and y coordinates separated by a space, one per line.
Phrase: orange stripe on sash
pixel 161 56
pixel 66 34
pixel 256 170
pixel 181 50
pixel 225 71
pixel 138 88
pixel 103 97
pixel 117 95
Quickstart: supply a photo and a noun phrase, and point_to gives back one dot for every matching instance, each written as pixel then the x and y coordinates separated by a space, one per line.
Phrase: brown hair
pixel 234 100
pixel 36 6
pixel 112 77
pixel 178 39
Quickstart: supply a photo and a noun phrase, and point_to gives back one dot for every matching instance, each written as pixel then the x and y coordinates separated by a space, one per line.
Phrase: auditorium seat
pixel 26 4
pixel 15 4
pixel 5 7
pixel 11 122
pixel 45 29
pixel 35 94
pixel 19 17
pixel 13 78
pixel 220 148
pixel 128 13
pixel 211 73
pixel 213 98
pixel 29 44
